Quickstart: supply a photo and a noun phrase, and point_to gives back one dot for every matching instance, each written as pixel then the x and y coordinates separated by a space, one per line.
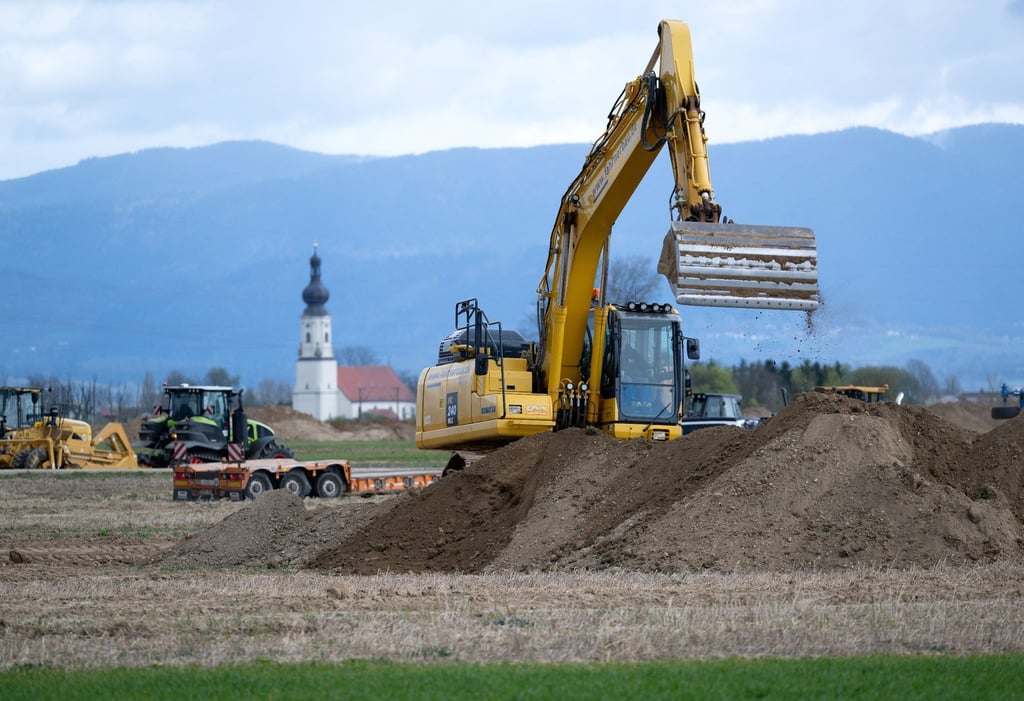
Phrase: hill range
pixel 187 259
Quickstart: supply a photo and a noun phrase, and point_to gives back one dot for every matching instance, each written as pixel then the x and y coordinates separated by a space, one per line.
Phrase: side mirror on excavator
pixel 693 348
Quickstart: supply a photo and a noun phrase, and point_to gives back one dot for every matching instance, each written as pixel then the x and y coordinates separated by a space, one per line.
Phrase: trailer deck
pixel 321 478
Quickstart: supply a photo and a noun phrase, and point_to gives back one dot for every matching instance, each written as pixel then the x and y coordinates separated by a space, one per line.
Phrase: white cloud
pixel 88 78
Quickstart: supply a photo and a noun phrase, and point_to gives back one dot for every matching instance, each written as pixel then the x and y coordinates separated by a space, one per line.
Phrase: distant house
pixel 373 389
pixel 324 389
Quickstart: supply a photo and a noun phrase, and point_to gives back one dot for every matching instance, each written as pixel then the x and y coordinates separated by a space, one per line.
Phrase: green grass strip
pixel 875 677
pixel 367 453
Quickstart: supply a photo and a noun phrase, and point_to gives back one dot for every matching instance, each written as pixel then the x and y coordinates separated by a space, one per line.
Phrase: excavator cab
pixel 641 355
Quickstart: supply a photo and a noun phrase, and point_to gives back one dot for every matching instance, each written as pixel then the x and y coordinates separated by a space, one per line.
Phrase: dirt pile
pixel 828 483
pixel 291 425
pixel 274 530
pixel 973 415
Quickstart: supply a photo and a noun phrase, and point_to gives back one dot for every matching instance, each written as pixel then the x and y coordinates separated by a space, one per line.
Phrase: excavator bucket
pixel 733 265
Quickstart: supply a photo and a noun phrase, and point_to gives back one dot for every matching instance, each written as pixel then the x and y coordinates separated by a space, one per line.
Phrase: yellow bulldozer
pixel 30 440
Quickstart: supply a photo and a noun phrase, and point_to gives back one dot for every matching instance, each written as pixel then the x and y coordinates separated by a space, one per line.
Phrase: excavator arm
pixel 707 262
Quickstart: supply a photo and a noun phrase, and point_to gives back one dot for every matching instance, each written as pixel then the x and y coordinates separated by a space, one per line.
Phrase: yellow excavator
pixel 614 365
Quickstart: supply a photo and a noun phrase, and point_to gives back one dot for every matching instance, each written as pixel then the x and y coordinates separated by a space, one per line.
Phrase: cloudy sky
pixel 102 77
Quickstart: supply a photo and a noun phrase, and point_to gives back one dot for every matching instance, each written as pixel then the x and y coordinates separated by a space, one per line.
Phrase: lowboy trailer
pixel 324 478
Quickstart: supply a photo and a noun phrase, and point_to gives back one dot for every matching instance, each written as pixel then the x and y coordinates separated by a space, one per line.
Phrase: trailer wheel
pixel 998 412
pixel 297 483
pixel 35 459
pixel 258 484
pixel 329 485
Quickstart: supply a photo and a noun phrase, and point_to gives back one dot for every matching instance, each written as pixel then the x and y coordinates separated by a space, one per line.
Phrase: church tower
pixel 316 372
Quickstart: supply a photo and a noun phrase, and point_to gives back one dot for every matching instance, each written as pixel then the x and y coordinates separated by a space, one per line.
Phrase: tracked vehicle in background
pixel 201 424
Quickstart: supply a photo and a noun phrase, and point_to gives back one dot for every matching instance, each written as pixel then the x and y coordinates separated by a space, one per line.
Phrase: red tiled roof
pixel 372 383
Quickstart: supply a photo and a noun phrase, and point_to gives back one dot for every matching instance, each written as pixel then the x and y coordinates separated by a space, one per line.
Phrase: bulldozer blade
pixel 734 265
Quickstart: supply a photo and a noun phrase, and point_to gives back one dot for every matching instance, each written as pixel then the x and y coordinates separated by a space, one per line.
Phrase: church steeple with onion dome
pixel 316 372
pixel 316 294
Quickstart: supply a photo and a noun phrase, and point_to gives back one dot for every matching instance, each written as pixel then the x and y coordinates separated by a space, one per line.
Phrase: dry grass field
pixel 80 587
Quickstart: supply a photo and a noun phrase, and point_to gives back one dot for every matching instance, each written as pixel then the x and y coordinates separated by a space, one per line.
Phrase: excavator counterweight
pixel 737 265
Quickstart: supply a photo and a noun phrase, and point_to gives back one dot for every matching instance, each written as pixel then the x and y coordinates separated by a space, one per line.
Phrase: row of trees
pixel 98 403
pixel 762 383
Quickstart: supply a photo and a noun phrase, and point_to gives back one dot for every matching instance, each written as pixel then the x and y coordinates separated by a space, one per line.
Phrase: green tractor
pixel 198 423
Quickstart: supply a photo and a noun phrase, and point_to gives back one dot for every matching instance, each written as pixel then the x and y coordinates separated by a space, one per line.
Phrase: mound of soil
pixel 274 530
pixel 827 483
pixel 973 415
pixel 291 425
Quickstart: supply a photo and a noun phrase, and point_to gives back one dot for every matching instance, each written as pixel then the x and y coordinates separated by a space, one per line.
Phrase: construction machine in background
pixel 202 424
pixel 54 441
pixel 614 364
pixel 1007 411
pixel 710 409
pixel 865 393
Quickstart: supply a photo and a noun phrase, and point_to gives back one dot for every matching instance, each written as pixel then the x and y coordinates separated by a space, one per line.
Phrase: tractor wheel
pixel 273 449
pixel 329 485
pixel 998 412
pixel 297 483
pixel 258 484
pixel 19 459
pixel 35 459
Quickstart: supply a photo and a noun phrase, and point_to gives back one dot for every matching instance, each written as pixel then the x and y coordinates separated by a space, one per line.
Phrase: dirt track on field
pixel 834 529
pixel 829 483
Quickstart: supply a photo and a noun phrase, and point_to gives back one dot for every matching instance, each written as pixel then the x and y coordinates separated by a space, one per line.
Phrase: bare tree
pixel 177 377
pixel 85 399
pixel 220 377
pixel 270 392
pixel 357 355
pixel 631 279
pixel 118 401
pixel 952 387
pixel 149 393
pixel 927 385
pixel 409 379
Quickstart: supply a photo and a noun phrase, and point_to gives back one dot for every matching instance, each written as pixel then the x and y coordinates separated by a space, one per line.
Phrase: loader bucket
pixel 734 265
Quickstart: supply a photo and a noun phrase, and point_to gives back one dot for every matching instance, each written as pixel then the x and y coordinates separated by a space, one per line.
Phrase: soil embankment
pixel 828 483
